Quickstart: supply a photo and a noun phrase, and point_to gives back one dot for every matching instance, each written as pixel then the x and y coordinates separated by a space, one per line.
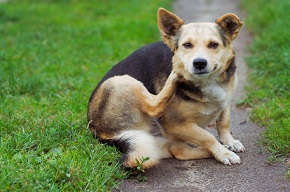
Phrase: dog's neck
pixel 205 90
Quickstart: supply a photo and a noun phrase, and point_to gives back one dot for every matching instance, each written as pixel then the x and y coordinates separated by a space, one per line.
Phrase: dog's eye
pixel 213 45
pixel 187 45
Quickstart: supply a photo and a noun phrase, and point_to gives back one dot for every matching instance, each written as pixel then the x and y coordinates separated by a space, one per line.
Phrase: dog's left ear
pixel 169 25
pixel 231 24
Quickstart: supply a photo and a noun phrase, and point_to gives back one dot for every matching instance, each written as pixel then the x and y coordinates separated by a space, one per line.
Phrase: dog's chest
pixel 211 93
pixel 214 93
pixel 203 101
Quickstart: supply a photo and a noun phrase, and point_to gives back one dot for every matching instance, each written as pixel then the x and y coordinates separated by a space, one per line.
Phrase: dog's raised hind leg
pixel 154 105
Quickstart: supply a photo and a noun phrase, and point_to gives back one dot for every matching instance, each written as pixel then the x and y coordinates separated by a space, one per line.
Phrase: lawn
pixel 269 92
pixel 52 54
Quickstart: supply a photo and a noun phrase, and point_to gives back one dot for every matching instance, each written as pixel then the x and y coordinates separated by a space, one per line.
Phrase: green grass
pixel 52 54
pixel 269 93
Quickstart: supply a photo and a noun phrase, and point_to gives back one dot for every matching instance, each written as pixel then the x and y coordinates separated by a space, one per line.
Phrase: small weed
pixel 140 163
pixel 140 178
pixel 136 173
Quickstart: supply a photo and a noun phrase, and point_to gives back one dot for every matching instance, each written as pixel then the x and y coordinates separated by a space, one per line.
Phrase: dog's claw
pixel 235 146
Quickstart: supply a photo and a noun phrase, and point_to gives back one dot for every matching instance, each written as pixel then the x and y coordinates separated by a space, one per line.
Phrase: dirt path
pixel 254 174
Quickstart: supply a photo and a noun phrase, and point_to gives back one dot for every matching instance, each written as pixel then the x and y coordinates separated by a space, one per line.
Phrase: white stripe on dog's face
pixel 201 49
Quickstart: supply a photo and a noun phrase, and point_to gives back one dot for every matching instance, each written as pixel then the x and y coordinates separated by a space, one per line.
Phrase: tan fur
pixel 181 151
pixel 127 95
pixel 130 107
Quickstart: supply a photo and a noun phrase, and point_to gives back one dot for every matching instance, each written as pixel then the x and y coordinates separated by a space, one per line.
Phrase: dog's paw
pixel 225 156
pixel 230 158
pixel 235 145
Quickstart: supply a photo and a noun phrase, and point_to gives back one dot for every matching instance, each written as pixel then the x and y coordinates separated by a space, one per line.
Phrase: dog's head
pixel 200 49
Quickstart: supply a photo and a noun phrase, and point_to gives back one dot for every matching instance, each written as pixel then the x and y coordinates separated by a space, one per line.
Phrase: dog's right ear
pixel 169 25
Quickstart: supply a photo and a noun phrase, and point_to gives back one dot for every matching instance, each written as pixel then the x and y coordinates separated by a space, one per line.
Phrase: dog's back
pixel 150 65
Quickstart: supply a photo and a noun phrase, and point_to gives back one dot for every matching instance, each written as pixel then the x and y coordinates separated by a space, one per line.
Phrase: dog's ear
pixel 230 24
pixel 169 25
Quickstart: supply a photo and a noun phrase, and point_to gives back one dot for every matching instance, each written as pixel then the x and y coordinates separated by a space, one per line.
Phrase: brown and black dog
pixel 157 102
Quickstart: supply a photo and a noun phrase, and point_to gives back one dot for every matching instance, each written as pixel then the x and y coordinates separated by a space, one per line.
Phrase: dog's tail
pixel 139 144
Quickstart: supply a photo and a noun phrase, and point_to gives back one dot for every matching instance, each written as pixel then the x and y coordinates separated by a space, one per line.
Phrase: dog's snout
pixel 199 63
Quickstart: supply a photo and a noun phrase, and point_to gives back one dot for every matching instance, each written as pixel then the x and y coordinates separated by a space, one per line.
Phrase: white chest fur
pixel 213 92
pixel 215 98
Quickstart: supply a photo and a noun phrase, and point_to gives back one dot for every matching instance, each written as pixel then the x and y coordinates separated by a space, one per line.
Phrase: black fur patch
pixel 231 70
pixel 143 65
pixel 170 25
pixel 231 26
pixel 188 87
pixel 122 145
pixel 181 94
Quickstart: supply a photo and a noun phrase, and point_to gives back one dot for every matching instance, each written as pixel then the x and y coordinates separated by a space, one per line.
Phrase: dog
pixel 157 101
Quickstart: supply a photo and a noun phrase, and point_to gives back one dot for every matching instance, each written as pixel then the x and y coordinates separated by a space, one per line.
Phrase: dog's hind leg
pixel 122 112
pixel 154 105
pixel 181 151
pixel 224 132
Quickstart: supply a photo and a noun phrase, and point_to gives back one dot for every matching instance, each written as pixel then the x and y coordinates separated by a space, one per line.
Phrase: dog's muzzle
pixel 200 66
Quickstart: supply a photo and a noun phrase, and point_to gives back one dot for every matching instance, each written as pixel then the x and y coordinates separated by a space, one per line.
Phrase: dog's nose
pixel 199 63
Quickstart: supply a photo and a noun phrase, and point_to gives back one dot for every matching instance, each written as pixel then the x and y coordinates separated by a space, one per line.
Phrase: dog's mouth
pixel 202 73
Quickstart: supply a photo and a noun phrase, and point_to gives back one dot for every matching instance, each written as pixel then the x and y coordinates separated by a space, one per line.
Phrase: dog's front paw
pixel 235 145
pixel 230 143
pixel 225 156
pixel 230 158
